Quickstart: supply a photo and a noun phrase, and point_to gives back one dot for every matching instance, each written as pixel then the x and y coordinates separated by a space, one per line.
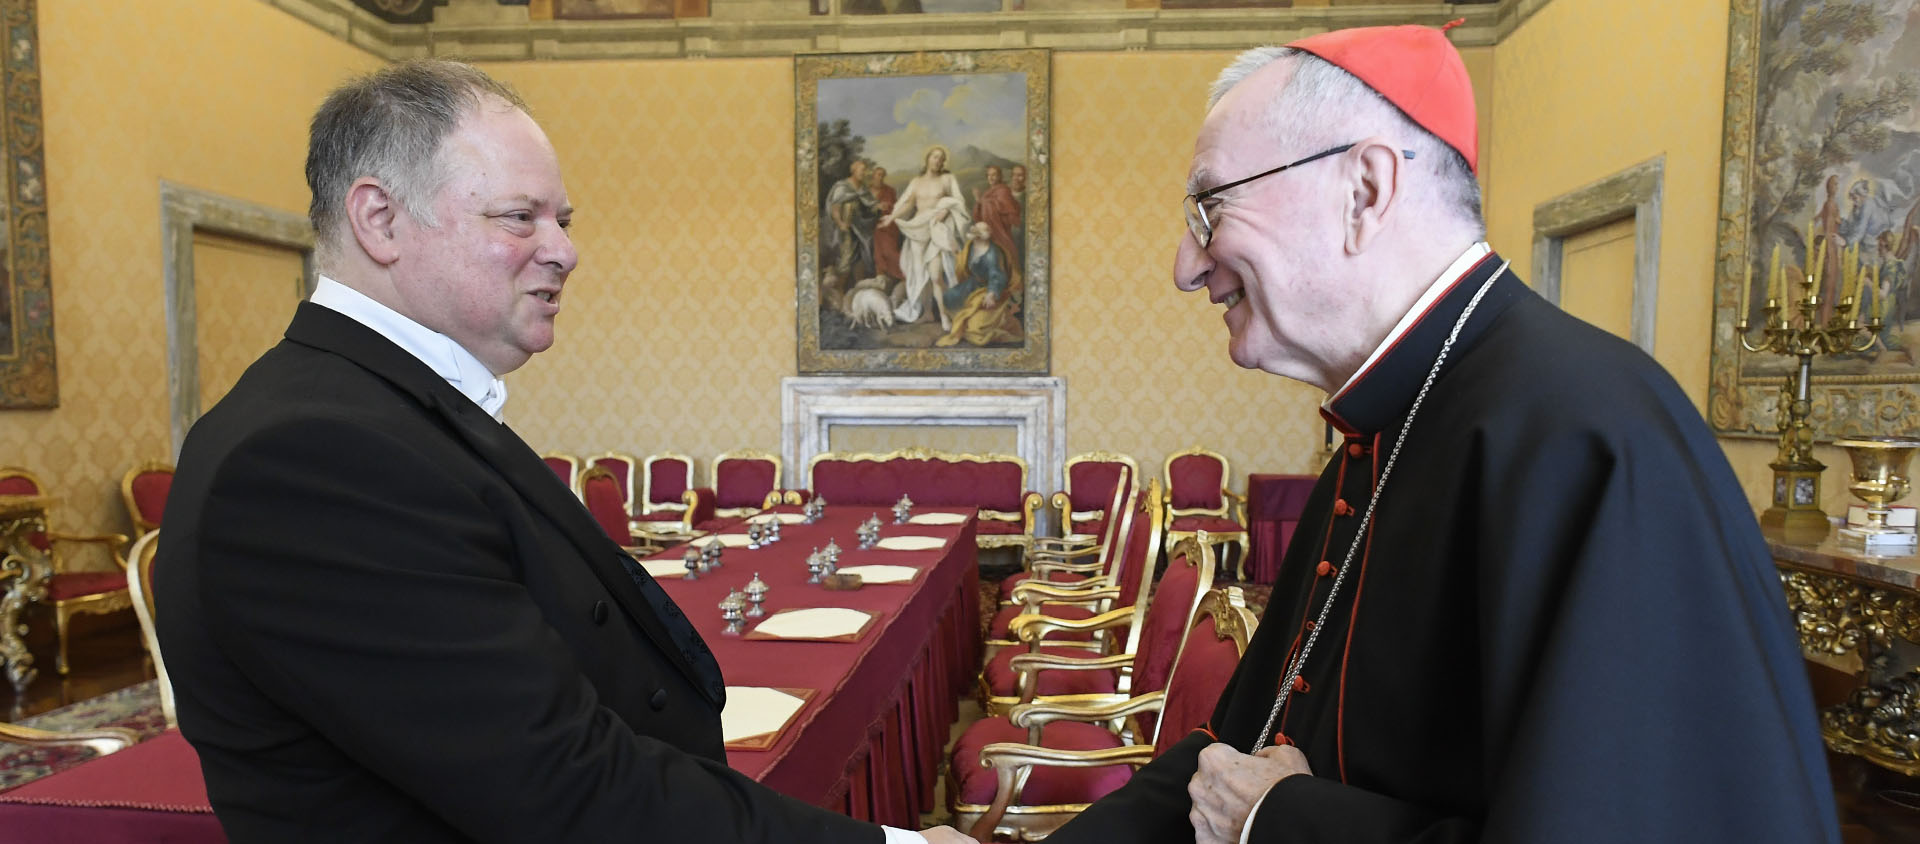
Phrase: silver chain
pixel 1386 471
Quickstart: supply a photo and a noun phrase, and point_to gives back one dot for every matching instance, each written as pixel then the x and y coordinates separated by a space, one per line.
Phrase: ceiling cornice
pixel 724 36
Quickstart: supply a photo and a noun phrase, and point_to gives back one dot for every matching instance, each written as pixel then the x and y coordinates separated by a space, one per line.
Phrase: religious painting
pixel 914 7
pixel 1820 192
pixel 27 375
pixel 611 9
pixel 922 212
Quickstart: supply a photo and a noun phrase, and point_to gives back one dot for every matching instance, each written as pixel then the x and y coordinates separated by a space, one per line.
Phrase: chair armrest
pixel 699 503
pixel 1036 715
pixel 1063 505
pixel 1236 506
pixel 1032 595
pixel 1048 590
pixel 1047 567
pixel 1070 553
pixel 1032 627
pixel 1033 663
pixel 114 543
pixel 1030 504
pixel 102 740
pixel 1013 763
pixel 774 497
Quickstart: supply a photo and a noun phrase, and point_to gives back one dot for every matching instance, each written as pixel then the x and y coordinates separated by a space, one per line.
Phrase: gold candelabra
pixel 1792 325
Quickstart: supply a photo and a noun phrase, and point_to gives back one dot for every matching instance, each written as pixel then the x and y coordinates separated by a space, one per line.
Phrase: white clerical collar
pixel 439 352
pixel 1435 290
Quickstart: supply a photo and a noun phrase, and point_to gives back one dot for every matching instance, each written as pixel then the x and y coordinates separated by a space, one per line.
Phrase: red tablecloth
pixel 1274 503
pixel 866 743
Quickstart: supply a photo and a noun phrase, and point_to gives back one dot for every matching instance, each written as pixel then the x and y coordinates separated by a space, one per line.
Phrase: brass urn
pixel 1880 474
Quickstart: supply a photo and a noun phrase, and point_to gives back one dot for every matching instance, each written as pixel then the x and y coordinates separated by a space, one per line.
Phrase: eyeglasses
pixel 1202 228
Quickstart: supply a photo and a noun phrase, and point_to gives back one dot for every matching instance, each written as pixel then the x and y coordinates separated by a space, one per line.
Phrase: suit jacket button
pixel 659 700
pixel 599 612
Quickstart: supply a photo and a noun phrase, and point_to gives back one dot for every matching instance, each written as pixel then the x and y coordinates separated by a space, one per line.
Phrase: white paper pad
pixel 783 518
pixel 937 519
pixel 754 710
pixel 665 568
pixel 813 623
pixel 882 574
pixel 911 543
pixel 728 540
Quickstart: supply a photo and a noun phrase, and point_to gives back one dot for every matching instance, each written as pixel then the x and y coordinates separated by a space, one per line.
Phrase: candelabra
pixel 1792 324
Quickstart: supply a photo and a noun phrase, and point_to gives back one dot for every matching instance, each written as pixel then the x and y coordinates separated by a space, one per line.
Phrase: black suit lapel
pixel 501 448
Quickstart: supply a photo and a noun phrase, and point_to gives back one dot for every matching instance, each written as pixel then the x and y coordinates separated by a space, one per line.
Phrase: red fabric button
pixel 1325 568
pixel 1309 625
pixel 1300 684
pixel 1281 740
pixel 1342 508
pixel 1355 449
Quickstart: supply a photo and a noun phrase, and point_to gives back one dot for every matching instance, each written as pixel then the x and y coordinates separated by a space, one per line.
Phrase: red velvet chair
pixel 144 489
pixel 1024 776
pixel 600 489
pixel 72 593
pixel 1071 560
pixel 623 468
pixel 567 467
pixel 745 481
pixel 1101 615
pixel 1198 499
pixel 664 481
pixel 1090 481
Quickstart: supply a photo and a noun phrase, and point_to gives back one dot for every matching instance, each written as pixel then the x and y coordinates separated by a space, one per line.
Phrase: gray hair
pixel 389 125
pixel 1321 89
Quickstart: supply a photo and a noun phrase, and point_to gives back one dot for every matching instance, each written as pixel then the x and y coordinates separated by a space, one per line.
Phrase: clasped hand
pixel 1229 783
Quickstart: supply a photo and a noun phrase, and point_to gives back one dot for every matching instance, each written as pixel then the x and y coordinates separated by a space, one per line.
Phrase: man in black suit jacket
pixel 385 618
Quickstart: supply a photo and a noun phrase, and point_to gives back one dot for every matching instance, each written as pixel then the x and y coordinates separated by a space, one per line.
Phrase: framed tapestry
pixel 26 301
pixel 1821 167
pixel 921 212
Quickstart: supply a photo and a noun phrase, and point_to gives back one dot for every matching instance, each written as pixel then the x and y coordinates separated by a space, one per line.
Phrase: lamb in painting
pixel 867 304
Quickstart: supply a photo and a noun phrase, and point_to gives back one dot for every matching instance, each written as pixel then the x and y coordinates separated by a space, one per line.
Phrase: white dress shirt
pixel 439 352
pixel 465 372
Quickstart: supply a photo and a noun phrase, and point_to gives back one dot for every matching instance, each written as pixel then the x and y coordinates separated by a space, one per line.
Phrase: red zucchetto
pixel 1415 68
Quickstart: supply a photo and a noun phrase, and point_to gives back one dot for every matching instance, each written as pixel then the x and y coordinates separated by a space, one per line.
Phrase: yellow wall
pixel 1588 88
pixel 136 93
pixel 244 293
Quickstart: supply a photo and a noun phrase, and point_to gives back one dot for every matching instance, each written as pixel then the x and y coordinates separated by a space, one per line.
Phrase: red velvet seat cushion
pixel 1049 785
pixel 1003 681
pixel 1003 620
pixel 1096 527
pixel 83 583
pixel 1007 586
pixel 1210 524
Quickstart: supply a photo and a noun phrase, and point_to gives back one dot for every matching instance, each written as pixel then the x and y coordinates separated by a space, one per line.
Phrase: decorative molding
pixel 183 212
pixel 1631 193
pixel 739 29
pixel 1036 408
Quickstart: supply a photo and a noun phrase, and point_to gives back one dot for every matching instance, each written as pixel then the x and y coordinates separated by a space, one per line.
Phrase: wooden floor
pixel 1876 806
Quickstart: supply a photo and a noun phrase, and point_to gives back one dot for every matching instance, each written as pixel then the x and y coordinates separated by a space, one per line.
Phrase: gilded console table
pixel 24 571
pixel 1860 613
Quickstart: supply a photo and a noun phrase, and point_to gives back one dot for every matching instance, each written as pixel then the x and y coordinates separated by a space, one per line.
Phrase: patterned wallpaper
pixel 678 325
pixel 244 294
pixel 137 93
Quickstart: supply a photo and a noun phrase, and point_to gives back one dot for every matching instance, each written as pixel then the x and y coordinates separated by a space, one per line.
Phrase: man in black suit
pixel 385 618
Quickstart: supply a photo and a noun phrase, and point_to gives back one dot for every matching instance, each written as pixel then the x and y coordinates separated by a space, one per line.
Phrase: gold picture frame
pixel 970 299
pixel 28 378
pixel 1781 191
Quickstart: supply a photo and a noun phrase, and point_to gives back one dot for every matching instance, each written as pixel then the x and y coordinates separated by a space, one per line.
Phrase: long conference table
pixel 865 742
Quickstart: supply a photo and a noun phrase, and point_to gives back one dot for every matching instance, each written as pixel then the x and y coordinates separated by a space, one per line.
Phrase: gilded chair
pixel 1100 564
pixel 1198 499
pixel 1108 615
pixel 145 489
pixel 567 467
pixel 745 481
pixel 1024 775
pixel 1081 507
pixel 140 586
pixel 600 491
pixel 101 740
pixel 72 593
pixel 995 485
pixel 664 481
pixel 623 468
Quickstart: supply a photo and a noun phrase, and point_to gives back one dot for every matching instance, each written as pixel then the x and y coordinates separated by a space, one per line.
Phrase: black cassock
pixel 1564 627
